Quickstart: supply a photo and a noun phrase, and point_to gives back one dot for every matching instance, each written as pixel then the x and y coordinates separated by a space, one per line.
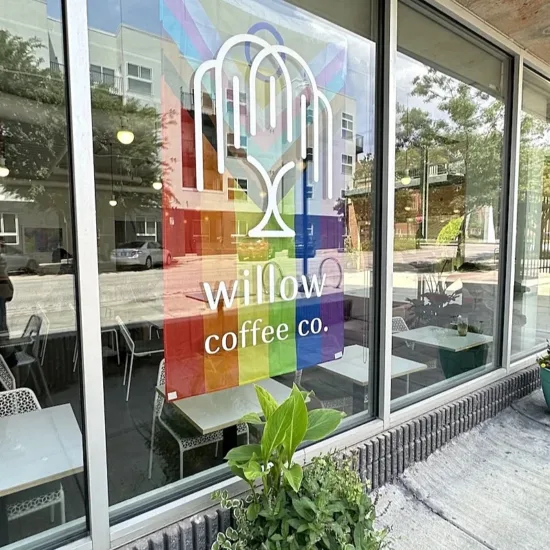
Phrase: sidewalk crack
pixel 443 516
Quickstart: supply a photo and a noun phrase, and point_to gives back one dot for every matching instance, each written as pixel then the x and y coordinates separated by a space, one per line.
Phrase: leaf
pixel 267 402
pixel 252 418
pixel 298 425
pixel 252 511
pixel 294 476
pixel 237 470
pixel 252 471
pixel 277 426
pixel 321 423
pixel 244 453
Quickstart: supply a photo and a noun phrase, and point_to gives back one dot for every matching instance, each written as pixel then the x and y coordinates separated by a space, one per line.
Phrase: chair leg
pixel 44 383
pixel 130 376
pixel 151 451
pixel 52 513
pixel 115 333
pixel 62 508
pixel 75 356
pixel 181 461
pixel 217 449
pixel 125 369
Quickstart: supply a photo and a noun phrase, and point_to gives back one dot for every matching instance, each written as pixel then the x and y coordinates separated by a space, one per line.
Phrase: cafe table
pixel 37 447
pixel 223 410
pixel 354 366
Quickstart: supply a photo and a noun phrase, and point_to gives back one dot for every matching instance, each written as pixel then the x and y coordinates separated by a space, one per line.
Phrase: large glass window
pixel 42 486
pixel 531 306
pixel 231 252
pixel 451 97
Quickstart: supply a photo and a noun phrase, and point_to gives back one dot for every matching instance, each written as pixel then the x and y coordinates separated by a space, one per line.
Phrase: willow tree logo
pixel 279 54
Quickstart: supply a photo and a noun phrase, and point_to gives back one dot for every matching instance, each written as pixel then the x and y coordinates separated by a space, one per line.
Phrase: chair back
pixel 20 400
pixel 159 399
pixel 7 380
pixel 45 334
pixel 125 334
pixel 398 325
pixel 32 331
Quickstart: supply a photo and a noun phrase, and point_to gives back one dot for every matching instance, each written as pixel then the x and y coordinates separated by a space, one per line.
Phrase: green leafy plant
pixel 323 506
pixel 544 360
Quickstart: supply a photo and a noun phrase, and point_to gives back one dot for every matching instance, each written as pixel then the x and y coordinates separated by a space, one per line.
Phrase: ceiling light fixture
pixel 124 135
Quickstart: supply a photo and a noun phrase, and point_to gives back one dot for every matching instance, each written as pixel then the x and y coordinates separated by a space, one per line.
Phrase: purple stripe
pixel 179 11
pixel 330 70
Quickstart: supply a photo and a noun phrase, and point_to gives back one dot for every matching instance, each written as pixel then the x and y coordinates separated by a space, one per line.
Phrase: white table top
pixel 445 338
pixel 215 411
pixel 354 365
pixel 38 447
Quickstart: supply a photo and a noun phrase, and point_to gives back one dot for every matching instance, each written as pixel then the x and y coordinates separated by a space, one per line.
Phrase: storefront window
pixel 531 282
pixel 42 487
pixel 233 177
pixel 449 170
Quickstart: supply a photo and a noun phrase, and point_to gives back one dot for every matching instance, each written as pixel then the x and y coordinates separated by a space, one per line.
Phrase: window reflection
pixel 449 158
pixel 172 241
pixel 42 489
pixel 530 328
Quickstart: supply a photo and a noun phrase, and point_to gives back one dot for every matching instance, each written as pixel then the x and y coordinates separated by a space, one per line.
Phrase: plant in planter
pixel 323 506
pixel 544 364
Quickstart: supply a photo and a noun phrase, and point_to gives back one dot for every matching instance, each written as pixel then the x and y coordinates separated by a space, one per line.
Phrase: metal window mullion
pixel 79 112
pixel 509 219
pixel 383 210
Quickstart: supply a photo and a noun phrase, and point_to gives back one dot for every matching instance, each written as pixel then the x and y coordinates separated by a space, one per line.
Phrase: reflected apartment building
pixel 126 65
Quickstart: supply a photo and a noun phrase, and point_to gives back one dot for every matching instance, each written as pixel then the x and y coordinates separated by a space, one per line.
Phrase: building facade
pixel 197 196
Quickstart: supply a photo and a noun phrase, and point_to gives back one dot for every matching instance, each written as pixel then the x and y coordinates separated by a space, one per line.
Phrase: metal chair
pixel 341 404
pixel 140 348
pixel 45 334
pixel 29 355
pixel 18 401
pixel 186 442
pixel 7 380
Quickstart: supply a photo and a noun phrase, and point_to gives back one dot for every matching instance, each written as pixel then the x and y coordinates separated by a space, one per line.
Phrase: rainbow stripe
pixel 189 26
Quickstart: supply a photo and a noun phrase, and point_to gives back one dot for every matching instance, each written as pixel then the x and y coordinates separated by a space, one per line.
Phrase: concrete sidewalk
pixel 489 488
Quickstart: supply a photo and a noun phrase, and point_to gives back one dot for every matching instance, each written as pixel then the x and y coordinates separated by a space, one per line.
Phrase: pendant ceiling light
pixel 4 170
pixel 113 202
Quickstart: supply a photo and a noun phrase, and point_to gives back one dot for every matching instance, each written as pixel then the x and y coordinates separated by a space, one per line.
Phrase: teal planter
pixel 545 383
pixel 455 363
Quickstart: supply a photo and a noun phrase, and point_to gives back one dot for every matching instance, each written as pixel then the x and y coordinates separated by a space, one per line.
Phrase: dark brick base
pixel 381 459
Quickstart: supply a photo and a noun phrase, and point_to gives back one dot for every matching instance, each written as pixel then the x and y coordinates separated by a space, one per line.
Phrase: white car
pixel 144 254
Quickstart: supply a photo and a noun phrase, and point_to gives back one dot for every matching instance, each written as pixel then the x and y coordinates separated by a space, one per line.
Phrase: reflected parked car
pixel 249 248
pixel 17 260
pixel 144 254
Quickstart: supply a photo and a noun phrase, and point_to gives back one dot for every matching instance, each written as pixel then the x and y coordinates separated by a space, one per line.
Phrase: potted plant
pixel 322 506
pixel 544 364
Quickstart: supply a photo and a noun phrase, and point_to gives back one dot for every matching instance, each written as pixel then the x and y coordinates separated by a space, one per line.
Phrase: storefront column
pixel 509 214
pixel 79 114
pixel 380 336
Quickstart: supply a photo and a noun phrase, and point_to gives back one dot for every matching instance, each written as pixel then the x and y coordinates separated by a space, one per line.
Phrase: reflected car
pixel 249 248
pixel 17 261
pixel 140 254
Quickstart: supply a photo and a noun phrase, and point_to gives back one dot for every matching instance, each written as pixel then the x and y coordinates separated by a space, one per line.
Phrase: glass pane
pixel 172 189
pixel 449 158
pixel 10 223
pixel 531 312
pixel 42 483
pixel 133 70
pixel 145 73
pixel 139 87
